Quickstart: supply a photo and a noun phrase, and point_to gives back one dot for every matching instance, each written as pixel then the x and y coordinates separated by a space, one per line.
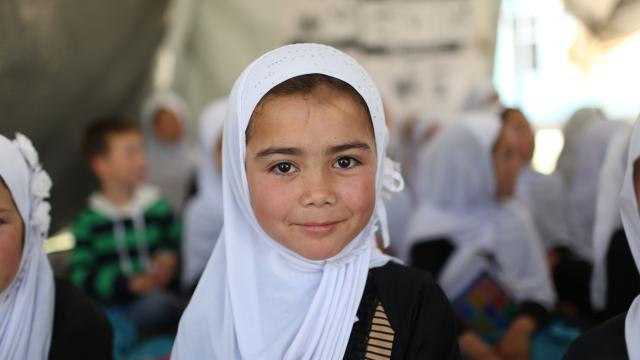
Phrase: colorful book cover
pixel 484 306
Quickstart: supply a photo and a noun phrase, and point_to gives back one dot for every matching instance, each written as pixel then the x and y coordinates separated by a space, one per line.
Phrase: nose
pixel 318 190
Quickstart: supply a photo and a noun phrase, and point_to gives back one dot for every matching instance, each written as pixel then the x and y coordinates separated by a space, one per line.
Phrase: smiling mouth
pixel 318 229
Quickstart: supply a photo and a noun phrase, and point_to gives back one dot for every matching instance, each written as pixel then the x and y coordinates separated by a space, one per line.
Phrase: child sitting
pixel 127 240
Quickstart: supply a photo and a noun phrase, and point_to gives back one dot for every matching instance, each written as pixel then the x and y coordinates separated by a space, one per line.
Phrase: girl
pixel 39 318
pixel 617 338
pixel 467 232
pixel 573 132
pixel 169 155
pixel 612 257
pixel 295 273
pixel 583 189
pixel 203 214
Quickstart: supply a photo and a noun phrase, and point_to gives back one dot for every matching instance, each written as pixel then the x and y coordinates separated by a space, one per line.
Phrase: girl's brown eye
pixel 346 162
pixel 284 167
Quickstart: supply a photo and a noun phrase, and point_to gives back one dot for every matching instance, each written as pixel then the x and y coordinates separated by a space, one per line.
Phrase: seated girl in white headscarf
pixel 40 318
pixel 617 338
pixel 169 154
pixel 295 273
pixel 203 214
pixel 477 242
pixel 612 259
pixel 544 197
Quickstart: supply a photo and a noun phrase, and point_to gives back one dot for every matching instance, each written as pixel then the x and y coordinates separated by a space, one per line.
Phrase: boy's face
pixel 125 163
pixel 311 167
pixel 11 234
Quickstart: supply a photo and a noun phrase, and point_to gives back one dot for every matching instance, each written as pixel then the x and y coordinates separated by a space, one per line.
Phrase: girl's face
pixel 217 153
pixel 311 168
pixel 507 163
pixel 167 126
pixel 516 120
pixel 11 235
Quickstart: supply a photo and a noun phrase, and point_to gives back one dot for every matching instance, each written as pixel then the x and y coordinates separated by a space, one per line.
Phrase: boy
pixel 127 240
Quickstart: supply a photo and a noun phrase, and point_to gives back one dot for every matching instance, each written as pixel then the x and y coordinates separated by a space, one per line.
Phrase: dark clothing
pixel 432 256
pixel 623 280
pixel 80 329
pixel 572 279
pixel 606 341
pixel 403 314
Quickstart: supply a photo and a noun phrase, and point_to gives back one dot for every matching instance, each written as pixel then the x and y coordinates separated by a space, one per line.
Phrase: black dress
pixel 605 341
pixel 623 280
pixel 403 314
pixel 80 328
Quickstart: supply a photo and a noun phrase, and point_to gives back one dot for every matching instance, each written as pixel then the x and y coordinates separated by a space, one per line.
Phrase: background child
pixel 127 241
pixel 40 318
pixel 170 155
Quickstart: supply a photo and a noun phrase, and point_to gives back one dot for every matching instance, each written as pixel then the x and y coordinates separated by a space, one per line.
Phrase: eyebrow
pixel 297 151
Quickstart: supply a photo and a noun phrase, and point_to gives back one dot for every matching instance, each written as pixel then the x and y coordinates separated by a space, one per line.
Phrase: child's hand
pixel 473 347
pixel 143 283
pixel 165 265
pixel 514 345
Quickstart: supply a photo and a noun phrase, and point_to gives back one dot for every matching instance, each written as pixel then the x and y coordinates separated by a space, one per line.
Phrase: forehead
pixel 124 137
pixel 323 114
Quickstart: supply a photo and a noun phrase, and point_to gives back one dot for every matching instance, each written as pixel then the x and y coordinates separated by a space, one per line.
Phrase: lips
pixel 318 229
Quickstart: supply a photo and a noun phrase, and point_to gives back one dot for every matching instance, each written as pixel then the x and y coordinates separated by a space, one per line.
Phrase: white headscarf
pixel 544 196
pixel 482 97
pixel 457 187
pixel 631 222
pixel 416 150
pixel 26 306
pixel 582 191
pixel 573 133
pixel 203 214
pixel 169 166
pixel 461 205
pixel 607 219
pixel 257 299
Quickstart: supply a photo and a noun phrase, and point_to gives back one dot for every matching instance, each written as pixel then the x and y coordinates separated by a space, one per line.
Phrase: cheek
pixel 10 254
pixel 271 199
pixel 358 194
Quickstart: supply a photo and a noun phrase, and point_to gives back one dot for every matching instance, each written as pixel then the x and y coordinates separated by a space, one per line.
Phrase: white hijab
pixel 26 306
pixel 544 196
pixel 573 132
pixel 582 192
pixel 256 298
pixel 631 222
pixel 417 149
pixel 607 219
pixel 169 166
pixel 457 187
pixel 461 205
pixel 203 214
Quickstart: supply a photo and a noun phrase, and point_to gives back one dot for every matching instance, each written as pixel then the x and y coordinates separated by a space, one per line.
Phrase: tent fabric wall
pixel 606 19
pixel 223 38
pixel 65 62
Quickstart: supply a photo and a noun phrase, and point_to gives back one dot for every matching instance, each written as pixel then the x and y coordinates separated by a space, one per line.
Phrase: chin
pixel 315 248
